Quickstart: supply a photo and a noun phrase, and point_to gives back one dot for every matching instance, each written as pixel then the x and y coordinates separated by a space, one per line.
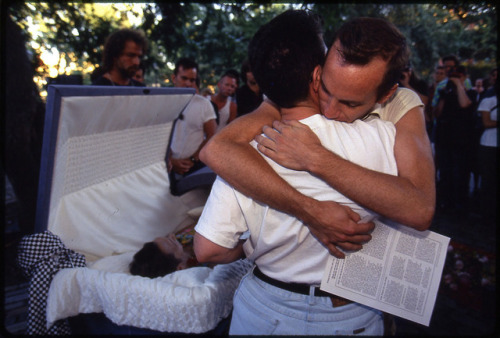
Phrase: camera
pixel 453 73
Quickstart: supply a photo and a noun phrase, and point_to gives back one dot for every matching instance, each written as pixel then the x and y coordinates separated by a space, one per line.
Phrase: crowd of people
pixel 465 143
pixel 205 115
pixel 461 123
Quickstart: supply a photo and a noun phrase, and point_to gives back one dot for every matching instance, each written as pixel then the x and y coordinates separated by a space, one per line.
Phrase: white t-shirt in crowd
pixel 224 115
pixel 489 137
pixel 189 133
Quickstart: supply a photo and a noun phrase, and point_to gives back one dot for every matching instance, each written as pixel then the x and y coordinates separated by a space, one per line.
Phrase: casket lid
pixel 94 135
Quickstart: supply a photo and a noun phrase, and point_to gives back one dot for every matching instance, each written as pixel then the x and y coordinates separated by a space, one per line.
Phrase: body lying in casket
pixel 104 191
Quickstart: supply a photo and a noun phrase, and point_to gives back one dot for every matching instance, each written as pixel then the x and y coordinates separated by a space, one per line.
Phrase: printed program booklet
pixel 398 271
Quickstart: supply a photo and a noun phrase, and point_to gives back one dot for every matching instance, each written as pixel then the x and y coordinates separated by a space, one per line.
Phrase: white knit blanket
pixel 191 301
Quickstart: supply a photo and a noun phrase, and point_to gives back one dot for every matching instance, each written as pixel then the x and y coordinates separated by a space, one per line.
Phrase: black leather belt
pixel 300 288
pixel 303 289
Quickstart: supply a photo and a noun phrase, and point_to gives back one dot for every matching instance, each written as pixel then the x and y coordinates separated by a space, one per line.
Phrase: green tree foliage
pixel 71 27
pixel 217 35
pixel 466 29
pixel 214 35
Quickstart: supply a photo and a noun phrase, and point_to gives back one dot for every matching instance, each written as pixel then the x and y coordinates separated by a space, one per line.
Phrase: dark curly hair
pixel 151 262
pixel 283 54
pixel 185 63
pixel 115 43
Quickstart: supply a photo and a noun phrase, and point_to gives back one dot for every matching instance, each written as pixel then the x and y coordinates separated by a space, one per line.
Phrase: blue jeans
pixel 263 309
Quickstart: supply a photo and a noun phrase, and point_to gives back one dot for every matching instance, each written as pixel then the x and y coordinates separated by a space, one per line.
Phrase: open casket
pixel 104 191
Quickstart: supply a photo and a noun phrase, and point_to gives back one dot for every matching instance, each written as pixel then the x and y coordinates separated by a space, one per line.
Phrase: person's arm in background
pixel 487 121
pixel 408 198
pixel 436 105
pixel 231 156
pixel 209 129
pixel 463 99
pixel 183 165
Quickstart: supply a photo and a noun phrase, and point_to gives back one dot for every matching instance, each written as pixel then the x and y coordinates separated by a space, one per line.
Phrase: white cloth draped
pixel 190 301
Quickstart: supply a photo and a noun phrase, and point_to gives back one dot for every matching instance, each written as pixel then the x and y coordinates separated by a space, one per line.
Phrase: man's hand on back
pixel 289 144
pixel 336 225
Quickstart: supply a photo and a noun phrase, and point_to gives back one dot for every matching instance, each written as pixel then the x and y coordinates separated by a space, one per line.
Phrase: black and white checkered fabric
pixel 41 256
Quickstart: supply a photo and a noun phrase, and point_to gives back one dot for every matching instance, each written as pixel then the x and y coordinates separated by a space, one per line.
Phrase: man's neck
pixel 300 111
pixel 116 77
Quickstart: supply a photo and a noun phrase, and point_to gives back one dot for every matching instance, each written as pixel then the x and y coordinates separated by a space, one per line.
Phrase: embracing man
pixel 281 295
pixel 358 79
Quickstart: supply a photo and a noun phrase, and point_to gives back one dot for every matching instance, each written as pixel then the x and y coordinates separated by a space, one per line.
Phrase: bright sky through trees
pixel 66 38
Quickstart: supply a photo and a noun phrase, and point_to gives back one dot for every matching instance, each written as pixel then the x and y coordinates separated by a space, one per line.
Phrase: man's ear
pixel 316 78
pixel 389 94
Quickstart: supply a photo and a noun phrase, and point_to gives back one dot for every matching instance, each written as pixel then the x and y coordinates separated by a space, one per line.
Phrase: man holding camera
pixel 450 62
pixel 455 120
